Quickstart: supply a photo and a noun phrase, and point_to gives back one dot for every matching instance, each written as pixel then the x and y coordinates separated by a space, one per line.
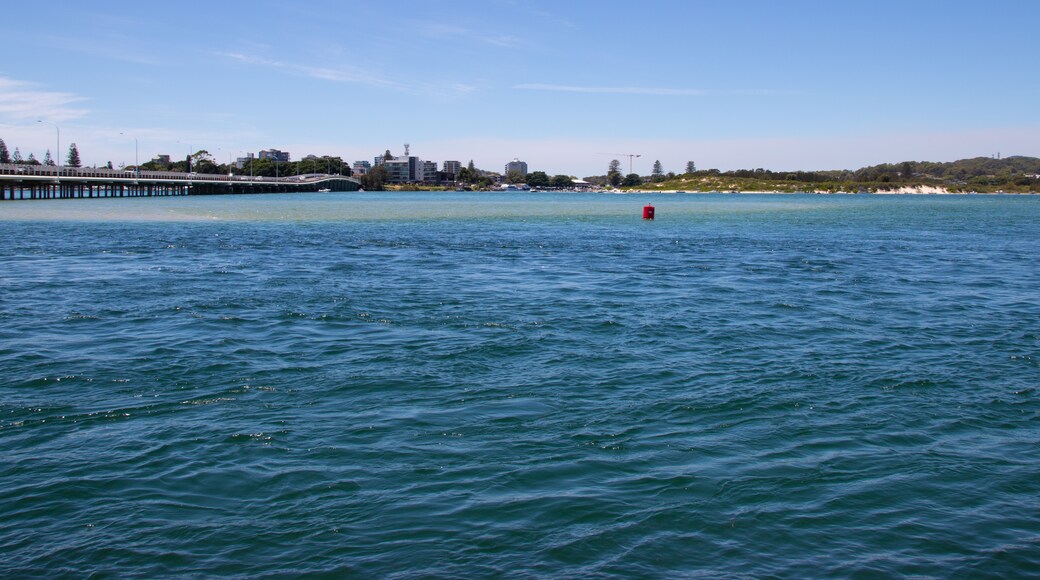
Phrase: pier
pixel 24 182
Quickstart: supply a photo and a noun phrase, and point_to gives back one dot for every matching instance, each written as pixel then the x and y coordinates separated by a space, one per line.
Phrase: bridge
pixel 18 182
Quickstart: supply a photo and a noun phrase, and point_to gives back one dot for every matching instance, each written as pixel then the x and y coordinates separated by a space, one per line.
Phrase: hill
pixel 1015 174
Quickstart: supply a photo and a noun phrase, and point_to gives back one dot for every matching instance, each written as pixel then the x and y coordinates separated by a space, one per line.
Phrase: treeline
pixel 983 171
pixel 967 174
pixel 542 179
pixel 203 162
pixel 6 156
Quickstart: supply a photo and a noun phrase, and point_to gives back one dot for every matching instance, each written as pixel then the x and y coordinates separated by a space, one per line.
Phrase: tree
pixel 561 181
pixel 472 168
pixel 388 156
pixel 5 156
pixel 907 170
pixel 691 167
pixel 374 179
pixel 632 179
pixel 17 156
pixel 614 172
pixel 538 179
pixel 31 160
pixel 515 176
pixel 47 158
pixel 108 165
pixel 658 172
pixel 73 159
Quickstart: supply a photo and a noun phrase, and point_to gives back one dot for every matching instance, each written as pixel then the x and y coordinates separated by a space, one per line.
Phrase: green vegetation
pixel 981 174
pixel 540 179
pixel 374 180
pixel 471 176
pixel 203 163
pixel 614 173
pixel 1016 174
pixel 73 159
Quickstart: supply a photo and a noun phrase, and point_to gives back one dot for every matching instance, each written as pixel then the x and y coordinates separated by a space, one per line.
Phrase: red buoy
pixel 648 212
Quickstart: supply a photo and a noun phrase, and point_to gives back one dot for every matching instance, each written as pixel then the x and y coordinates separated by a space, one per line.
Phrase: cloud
pixel 613 90
pixel 654 91
pixel 20 100
pixel 450 31
pixel 352 75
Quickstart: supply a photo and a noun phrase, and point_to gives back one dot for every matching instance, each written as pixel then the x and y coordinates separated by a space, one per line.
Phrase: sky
pixel 565 85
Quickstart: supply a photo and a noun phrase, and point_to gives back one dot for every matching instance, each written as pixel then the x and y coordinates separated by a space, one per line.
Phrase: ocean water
pixel 520 385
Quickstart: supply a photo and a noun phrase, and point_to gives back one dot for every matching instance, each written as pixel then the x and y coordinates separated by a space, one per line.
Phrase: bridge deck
pixel 49 182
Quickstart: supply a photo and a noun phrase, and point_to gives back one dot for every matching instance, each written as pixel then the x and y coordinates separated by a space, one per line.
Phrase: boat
pixel 324 190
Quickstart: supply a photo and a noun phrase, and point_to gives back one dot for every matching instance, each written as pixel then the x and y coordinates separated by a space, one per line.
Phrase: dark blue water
pixel 478 385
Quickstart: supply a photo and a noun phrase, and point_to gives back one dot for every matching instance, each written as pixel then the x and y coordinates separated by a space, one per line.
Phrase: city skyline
pixel 805 85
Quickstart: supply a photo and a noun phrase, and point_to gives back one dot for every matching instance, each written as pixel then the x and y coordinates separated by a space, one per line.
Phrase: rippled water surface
pixel 520 385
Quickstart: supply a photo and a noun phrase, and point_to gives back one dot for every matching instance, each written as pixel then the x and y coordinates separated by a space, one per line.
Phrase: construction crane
pixel 630 156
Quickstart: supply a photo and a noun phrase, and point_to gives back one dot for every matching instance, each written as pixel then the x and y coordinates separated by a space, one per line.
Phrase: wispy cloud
pixel 452 31
pixel 655 91
pixel 350 74
pixel 614 90
pixel 20 100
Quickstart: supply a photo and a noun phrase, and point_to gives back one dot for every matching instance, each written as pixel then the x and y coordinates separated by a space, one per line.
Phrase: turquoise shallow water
pixel 520 385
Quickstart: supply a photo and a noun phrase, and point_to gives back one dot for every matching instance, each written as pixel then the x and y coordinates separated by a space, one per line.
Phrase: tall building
pixel 429 171
pixel 516 165
pixel 452 167
pixel 275 155
pixel 402 169
pixel 241 162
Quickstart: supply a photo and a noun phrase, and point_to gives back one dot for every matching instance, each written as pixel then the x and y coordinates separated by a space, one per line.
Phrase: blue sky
pixel 565 86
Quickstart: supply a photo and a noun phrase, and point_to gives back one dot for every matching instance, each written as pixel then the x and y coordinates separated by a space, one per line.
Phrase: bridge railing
pixel 106 173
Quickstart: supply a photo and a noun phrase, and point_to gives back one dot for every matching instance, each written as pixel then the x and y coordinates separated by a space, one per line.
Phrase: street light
pixel 57 138
pixel 190 149
pixel 137 164
pixel 250 163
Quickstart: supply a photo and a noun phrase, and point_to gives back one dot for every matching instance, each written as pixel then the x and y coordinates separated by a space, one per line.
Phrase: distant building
pixel 241 162
pixel 429 171
pixel 165 159
pixel 452 167
pixel 516 165
pixel 402 169
pixel 361 167
pixel 275 155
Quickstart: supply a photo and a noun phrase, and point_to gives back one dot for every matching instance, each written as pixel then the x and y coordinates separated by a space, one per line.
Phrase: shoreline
pixel 900 191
